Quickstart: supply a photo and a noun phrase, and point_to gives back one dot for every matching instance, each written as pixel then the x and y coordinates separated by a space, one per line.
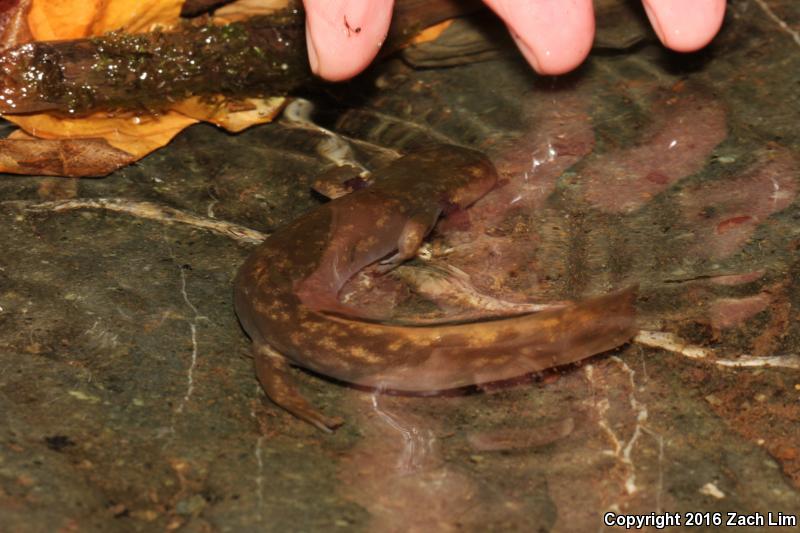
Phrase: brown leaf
pixel 14 23
pixel 61 157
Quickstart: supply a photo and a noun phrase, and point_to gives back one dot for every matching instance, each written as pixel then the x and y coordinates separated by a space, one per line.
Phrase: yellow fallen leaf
pixel 73 19
pixel 431 33
pixel 242 9
pixel 137 135
pixel 233 115
pixel 59 19
pixel 137 17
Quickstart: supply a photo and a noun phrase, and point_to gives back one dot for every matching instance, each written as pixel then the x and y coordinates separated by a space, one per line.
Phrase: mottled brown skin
pixel 286 295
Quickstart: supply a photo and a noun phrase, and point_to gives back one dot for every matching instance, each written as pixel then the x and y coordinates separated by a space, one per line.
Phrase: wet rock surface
pixel 128 400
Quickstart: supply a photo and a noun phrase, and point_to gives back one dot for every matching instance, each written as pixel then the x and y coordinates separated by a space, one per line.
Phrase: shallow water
pixel 128 402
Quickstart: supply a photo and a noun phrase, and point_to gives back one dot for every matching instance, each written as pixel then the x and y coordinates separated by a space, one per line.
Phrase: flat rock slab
pixel 128 401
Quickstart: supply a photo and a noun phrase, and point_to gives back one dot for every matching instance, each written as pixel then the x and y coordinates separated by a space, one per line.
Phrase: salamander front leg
pixel 273 373
pixel 414 232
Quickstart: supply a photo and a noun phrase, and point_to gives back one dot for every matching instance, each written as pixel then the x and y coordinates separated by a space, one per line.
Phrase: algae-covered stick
pixel 260 56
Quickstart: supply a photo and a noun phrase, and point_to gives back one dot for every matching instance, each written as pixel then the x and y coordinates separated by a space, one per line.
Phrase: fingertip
pixel 555 36
pixel 685 25
pixel 344 36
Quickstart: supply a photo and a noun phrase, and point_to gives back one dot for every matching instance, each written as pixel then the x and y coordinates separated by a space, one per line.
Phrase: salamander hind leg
pixel 273 374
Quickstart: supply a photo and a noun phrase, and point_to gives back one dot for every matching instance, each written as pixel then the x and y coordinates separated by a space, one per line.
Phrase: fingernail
pixel 555 36
pixel 685 25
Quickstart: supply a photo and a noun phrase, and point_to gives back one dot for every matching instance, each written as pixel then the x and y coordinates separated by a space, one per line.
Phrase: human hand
pixel 555 36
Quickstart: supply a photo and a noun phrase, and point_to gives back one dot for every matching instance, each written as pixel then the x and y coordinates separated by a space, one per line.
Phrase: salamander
pixel 286 296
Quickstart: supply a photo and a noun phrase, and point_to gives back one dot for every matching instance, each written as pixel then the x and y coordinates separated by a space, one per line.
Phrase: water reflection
pixel 681 205
pixel 398 473
pixel 580 431
pixel 419 447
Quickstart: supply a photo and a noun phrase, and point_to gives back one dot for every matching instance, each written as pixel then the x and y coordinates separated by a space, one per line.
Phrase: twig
pixel 672 343
pixel 147 210
pixel 780 22
pixel 774 361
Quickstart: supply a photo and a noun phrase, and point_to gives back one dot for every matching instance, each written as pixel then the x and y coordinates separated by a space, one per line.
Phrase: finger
pixel 343 36
pixel 555 36
pixel 685 25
